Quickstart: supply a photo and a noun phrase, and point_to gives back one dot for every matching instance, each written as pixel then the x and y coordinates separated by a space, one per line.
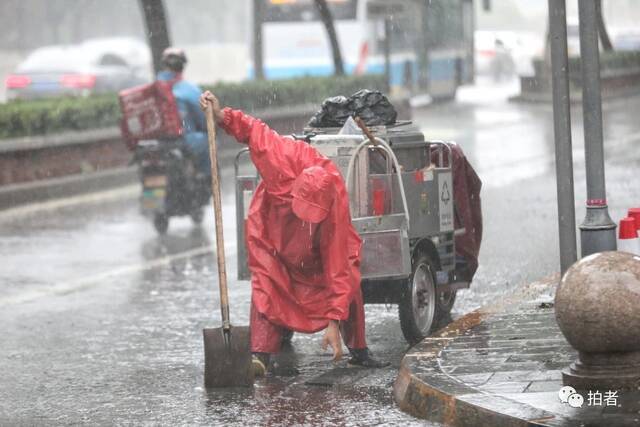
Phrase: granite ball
pixel 598 303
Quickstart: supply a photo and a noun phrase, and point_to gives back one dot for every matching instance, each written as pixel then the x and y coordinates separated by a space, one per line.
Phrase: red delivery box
pixel 149 112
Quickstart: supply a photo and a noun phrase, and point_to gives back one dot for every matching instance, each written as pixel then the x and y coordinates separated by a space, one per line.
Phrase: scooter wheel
pixel 161 223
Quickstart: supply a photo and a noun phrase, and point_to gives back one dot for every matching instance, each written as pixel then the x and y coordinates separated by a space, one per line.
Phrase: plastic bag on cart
pixel 334 112
pixel 372 106
pixel 468 208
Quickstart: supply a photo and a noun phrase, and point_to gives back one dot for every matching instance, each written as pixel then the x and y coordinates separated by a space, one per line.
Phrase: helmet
pixel 174 59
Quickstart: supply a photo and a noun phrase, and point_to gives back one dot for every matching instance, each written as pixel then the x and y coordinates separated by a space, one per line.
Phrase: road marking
pixel 89 281
pixel 129 191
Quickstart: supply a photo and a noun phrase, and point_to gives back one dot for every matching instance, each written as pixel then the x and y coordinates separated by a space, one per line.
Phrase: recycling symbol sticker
pixel 445 195
pixel 445 202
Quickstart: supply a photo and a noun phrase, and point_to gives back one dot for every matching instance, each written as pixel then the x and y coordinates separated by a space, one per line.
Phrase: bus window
pixel 445 24
pixel 305 10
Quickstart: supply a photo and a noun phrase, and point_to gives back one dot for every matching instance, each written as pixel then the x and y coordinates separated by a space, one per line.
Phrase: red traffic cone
pixel 635 214
pixel 628 236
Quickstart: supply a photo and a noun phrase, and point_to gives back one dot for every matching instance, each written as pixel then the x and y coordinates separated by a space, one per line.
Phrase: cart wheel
pixel 445 302
pixel 161 223
pixel 197 215
pixel 417 307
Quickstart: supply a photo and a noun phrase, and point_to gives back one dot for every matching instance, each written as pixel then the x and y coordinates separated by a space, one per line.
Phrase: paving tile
pixel 541 357
pixel 543 386
pixel 510 366
pixel 504 367
pixel 505 387
pixel 525 376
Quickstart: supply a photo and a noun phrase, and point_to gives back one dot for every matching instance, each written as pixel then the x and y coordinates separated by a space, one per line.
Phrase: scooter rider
pixel 187 99
pixel 304 254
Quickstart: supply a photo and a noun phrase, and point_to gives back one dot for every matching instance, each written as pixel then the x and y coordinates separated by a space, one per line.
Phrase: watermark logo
pixel 565 392
pixel 574 399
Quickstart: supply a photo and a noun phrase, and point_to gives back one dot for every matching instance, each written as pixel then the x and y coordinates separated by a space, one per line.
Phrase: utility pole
pixel 387 52
pixel 562 132
pixel 258 59
pixel 155 20
pixel 598 231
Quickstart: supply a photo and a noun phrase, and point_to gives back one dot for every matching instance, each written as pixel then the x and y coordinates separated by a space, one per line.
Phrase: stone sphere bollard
pixel 598 310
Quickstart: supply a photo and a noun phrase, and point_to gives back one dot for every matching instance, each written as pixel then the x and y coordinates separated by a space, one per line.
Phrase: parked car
pixel 94 66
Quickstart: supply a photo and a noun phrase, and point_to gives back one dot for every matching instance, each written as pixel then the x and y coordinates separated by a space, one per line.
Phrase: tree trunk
pixel 258 59
pixel 602 28
pixel 327 20
pixel 157 29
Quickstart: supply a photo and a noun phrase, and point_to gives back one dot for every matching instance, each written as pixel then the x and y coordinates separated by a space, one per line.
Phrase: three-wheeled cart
pixel 402 205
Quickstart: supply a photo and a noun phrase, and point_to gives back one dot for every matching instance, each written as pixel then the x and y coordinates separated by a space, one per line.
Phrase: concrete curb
pixel 12 196
pixel 575 98
pixel 424 390
pixel 15 195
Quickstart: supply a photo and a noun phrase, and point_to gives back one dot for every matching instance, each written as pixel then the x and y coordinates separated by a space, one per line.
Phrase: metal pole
pixel 562 131
pixel 387 52
pixel 598 231
pixel 258 60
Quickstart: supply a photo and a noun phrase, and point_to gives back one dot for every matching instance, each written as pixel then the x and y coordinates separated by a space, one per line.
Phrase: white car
pixel 94 66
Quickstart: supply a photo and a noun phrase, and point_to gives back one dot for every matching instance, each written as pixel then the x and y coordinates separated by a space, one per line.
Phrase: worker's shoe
pixel 259 362
pixel 363 358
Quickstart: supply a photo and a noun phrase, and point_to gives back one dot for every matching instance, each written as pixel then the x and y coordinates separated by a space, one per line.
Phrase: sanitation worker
pixel 304 254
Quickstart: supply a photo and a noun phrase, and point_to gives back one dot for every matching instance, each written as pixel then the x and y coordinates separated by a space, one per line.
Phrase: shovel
pixel 227 357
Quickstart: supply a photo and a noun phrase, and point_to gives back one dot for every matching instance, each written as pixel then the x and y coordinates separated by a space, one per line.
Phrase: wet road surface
pixel 102 319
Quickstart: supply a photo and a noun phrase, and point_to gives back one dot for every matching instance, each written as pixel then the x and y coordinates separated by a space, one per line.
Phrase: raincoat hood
pixel 313 193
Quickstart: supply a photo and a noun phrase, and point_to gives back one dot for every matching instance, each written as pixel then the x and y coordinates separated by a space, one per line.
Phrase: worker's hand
pixel 209 99
pixel 332 338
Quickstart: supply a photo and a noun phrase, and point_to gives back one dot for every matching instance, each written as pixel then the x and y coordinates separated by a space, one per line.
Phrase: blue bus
pixel 431 42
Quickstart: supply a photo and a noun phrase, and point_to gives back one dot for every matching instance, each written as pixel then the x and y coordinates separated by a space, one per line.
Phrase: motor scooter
pixel 171 184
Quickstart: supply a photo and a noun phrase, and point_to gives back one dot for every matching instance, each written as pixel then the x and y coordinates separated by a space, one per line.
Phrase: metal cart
pixel 402 205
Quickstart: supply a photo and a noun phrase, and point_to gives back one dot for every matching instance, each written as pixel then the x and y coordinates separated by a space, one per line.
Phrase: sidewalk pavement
pixel 501 366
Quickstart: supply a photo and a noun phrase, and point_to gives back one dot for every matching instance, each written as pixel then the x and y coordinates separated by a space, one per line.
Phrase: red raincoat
pixel 303 274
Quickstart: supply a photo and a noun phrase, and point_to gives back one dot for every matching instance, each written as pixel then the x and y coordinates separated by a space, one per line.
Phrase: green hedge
pixel 255 95
pixel 610 61
pixel 38 117
pixel 25 118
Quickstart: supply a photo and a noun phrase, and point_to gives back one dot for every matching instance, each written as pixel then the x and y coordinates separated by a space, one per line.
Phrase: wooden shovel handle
pixel 217 208
pixel 365 130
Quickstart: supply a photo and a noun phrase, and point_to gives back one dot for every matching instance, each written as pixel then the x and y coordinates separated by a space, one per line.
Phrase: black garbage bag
pixel 370 105
pixel 334 112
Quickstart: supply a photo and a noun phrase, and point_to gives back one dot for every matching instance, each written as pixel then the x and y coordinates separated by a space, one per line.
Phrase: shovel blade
pixel 227 364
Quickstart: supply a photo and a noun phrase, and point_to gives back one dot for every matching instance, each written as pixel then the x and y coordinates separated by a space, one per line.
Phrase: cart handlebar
pixel 442 146
pixel 380 144
pixel 236 162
